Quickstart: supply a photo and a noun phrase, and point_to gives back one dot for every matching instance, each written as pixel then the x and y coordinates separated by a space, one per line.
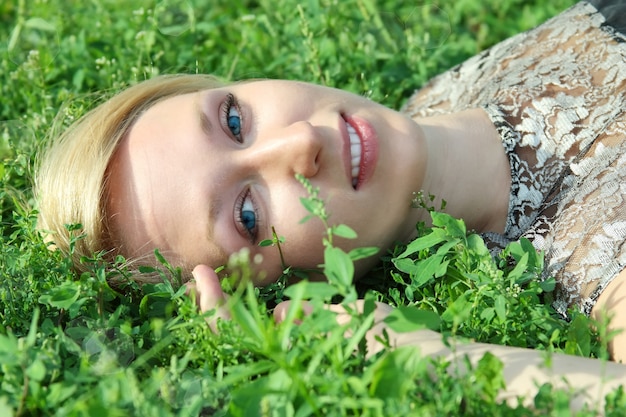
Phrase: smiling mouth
pixel 355 154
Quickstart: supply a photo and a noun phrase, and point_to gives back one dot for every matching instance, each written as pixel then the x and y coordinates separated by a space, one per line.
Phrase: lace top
pixel 557 96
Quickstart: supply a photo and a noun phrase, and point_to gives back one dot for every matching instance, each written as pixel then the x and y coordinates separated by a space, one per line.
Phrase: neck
pixel 468 168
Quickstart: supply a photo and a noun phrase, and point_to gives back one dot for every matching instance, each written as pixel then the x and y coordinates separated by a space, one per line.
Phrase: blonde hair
pixel 70 180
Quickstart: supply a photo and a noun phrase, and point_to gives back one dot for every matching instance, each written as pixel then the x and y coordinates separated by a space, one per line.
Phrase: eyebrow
pixel 205 123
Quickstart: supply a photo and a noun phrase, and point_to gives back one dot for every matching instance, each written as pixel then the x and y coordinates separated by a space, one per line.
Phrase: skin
pixel 524 370
pixel 612 304
pixel 169 174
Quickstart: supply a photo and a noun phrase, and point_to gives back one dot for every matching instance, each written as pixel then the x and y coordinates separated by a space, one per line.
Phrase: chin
pixel 364 266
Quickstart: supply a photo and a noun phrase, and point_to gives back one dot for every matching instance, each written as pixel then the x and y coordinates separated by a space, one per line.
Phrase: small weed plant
pixel 73 345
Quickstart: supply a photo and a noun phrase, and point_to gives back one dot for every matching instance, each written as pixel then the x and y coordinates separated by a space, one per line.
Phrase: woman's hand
pixel 524 371
pixel 376 335
pixel 208 294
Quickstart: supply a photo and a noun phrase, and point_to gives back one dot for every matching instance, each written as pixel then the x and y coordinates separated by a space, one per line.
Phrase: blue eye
pixel 246 216
pixel 232 117
pixel 234 121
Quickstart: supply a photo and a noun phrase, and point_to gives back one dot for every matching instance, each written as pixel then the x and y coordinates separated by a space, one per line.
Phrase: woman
pixel 525 139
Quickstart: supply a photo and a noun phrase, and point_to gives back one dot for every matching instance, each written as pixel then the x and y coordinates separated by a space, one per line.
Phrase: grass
pixel 72 345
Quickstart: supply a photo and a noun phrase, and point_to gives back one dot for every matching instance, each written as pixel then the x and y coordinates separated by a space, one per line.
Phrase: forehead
pixel 149 205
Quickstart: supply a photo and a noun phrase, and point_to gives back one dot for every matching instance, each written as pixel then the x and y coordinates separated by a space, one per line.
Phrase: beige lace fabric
pixel 556 95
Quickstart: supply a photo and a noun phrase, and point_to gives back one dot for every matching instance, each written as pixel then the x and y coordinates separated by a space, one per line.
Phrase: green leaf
pixel 235 374
pixel 548 284
pixel 524 247
pixel 60 392
pixel 160 258
pixel 535 258
pixel 75 308
pixel 477 245
pixel 78 78
pixel 313 290
pixel 39 24
pixel 144 269
pixel 407 319
pixel 338 267
pixel 32 331
pixel 578 337
pixel 362 253
pixel 344 231
pixel 358 334
pixel 488 314
pixel 519 269
pixel 310 205
pixel 61 297
pixel 424 242
pixel 489 376
pixel 457 311
pixel 245 319
pixel 8 347
pixel 36 370
pixel 428 269
pixel 405 265
pixel 394 375
pixel 15 36
pixel 500 307
pixel 409 293
pixel 434 266
pixel 267 392
pixel 454 227
pixel 5 409
pixel 155 304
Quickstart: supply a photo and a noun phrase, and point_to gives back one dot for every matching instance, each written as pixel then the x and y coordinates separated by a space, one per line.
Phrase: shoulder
pixel 515 64
pixel 614 12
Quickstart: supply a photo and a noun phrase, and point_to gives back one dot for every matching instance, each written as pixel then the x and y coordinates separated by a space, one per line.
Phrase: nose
pixel 293 149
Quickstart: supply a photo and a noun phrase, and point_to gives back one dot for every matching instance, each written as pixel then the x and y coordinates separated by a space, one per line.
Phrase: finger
pixel 282 309
pixel 208 289
pixel 209 294
pixel 375 335
pixel 343 315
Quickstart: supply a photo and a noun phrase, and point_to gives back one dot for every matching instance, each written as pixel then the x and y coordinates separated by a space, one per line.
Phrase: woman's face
pixel 200 176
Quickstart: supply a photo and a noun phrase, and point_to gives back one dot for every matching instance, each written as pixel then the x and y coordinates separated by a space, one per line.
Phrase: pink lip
pixel 369 149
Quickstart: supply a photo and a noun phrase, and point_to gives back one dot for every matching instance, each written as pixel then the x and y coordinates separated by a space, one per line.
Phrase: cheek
pixel 295 253
pixel 307 252
pixel 302 246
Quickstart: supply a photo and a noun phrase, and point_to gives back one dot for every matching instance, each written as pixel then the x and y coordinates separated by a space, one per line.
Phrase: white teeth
pixel 355 151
